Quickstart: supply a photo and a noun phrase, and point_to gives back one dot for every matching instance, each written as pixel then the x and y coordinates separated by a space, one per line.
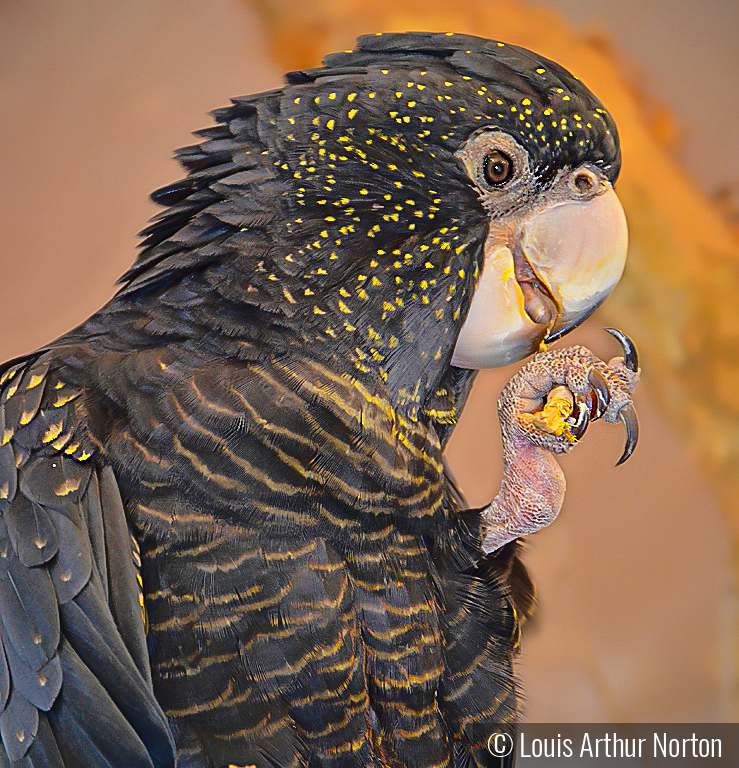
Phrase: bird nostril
pixel 584 183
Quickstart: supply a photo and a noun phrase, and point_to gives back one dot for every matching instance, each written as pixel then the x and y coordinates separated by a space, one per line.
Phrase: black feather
pixel 89 728
pixel 122 574
pixel 29 612
pixel 90 631
pixel 41 686
pixel 18 726
pixel 31 532
pixel 71 569
pixel 44 752
pixel 8 475
pixel 4 678
pixel 173 193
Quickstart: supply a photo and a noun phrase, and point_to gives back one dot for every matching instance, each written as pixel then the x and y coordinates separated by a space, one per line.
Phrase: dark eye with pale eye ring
pixel 497 168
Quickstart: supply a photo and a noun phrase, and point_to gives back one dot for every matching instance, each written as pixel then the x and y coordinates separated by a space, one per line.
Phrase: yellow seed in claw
pixel 551 418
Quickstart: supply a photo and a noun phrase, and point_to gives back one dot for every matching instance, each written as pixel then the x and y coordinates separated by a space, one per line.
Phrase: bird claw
pixel 593 405
pixel 578 424
pixel 630 421
pixel 631 356
pixel 601 395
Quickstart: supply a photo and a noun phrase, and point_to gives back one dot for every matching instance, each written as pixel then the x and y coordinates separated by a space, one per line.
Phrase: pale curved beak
pixel 564 262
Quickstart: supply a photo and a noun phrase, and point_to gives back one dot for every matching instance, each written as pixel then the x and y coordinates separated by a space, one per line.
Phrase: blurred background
pixel 638 579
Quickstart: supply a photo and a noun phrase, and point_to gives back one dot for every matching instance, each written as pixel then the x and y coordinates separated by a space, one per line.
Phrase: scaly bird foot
pixel 545 409
pixel 556 396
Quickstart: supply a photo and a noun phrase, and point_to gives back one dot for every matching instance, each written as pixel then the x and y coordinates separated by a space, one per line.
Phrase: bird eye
pixel 497 168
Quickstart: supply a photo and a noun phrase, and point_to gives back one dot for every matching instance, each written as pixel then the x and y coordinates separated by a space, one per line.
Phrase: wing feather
pixel 75 685
pixel 31 532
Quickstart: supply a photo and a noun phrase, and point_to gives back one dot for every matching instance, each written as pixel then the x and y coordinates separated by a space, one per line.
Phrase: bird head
pixel 425 201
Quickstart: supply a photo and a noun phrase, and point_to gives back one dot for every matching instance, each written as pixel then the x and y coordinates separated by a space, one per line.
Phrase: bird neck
pixel 400 355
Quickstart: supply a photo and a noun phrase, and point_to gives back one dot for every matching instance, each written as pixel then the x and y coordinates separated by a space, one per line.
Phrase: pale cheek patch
pixel 496 330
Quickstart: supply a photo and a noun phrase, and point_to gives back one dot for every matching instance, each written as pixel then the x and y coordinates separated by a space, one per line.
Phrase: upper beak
pixel 578 251
pixel 560 266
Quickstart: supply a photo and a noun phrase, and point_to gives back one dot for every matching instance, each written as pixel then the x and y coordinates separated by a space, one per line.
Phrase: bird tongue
pixel 538 303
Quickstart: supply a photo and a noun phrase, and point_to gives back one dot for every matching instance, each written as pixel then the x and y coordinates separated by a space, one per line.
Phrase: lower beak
pixel 565 261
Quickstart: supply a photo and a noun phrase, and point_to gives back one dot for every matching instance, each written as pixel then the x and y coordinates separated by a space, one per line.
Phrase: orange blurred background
pixel 637 579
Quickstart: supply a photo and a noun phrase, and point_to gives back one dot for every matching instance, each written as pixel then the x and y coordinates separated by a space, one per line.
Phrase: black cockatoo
pixel 227 537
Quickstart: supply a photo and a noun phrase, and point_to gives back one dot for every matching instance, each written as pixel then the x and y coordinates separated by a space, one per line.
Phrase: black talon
pixel 597 407
pixel 582 419
pixel 628 416
pixel 631 356
pixel 600 387
pixel 593 405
